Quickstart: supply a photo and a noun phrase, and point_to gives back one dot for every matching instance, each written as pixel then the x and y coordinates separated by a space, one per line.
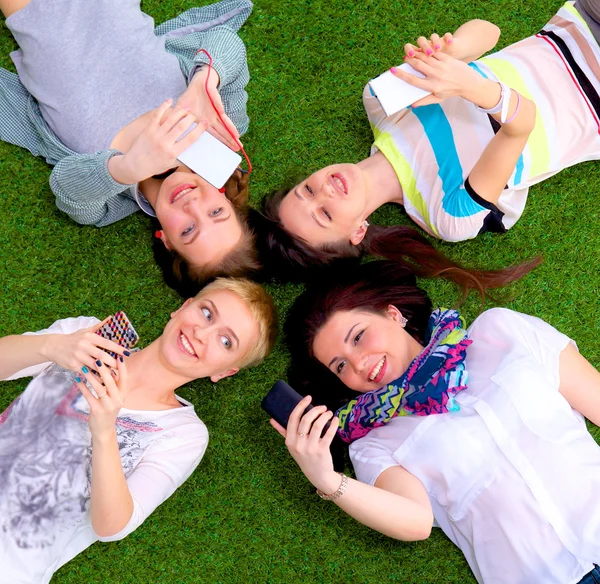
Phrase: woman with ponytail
pixel 463 164
pixel 479 431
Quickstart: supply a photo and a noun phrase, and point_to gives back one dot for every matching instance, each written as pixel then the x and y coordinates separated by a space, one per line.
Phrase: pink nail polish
pixel 437 47
pixel 449 41
pixel 411 54
pixel 429 51
pixel 393 69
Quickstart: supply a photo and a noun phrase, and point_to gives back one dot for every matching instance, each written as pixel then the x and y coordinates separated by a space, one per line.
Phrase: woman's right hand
pixel 307 447
pixel 156 148
pixel 83 348
pixel 431 45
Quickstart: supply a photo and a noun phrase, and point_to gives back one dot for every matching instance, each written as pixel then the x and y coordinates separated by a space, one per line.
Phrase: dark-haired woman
pixel 463 164
pixel 480 432
pixel 106 102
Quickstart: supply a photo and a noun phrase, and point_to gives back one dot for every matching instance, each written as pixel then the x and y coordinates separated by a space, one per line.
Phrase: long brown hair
pixel 290 258
pixel 187 278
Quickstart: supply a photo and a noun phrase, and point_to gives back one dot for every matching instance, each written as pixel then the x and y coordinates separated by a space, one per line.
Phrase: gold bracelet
pixel 341 490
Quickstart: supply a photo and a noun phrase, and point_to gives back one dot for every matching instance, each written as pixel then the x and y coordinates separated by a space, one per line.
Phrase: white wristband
pixel 502 106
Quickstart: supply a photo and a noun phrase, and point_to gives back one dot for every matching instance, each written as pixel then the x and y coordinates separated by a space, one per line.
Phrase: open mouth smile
pixel 378 371
pixel 181 191
pixel 339 183
pixel 185 345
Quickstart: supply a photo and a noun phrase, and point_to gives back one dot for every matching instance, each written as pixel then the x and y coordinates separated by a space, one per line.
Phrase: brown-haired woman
pixel 114 132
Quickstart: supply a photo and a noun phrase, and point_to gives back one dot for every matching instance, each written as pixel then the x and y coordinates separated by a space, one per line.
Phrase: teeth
pixel 186 345
pixel 377 369
pixel 339 183
pixel 182 193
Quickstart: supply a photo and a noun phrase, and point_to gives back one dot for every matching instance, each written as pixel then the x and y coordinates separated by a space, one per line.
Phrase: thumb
pixel 428 100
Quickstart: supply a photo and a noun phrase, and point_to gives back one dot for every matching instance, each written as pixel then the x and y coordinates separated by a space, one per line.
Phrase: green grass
pixel 247 514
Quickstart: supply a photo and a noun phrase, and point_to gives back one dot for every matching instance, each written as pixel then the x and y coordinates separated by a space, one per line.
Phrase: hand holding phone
pixel 119 330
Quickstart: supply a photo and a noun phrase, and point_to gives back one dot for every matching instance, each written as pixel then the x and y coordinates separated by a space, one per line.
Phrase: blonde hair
pixel 262 308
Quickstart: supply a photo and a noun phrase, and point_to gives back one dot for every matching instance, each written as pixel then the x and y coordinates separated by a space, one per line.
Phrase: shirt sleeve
pixel 86 191
pixel 166 465
pixel 370 458
pixel 64 326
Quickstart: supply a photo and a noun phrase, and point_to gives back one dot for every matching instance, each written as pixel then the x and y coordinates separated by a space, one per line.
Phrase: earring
pixel 403 321
pixel 222 190
pixel 158 234
pixel 366 224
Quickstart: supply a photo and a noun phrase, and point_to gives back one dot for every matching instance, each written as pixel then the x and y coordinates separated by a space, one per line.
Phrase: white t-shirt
pixel 514 476
pixel 45 467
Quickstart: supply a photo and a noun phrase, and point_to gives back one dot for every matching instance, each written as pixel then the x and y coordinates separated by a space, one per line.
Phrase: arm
pixel 397 506
pixel 71 351
pixel 580 383
pixel 447 77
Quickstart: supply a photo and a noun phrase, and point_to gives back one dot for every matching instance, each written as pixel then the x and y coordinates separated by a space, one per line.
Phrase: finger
pixel 174 117
pixel 103 343
pixel 102 359
pixel 424 64
pixel 448 38
pixel 409 78
pixel 162 112
pixel 182 126
pixel 229 124
pixel 294 420
pixel 331 431
pixel 278 427
pixel 307 419
pixel 110 386
pixel 95 328
pixel 86 393
pixel 436 42
pixel 319 424
pixel 190 138
pixel 410 50
pixel 219 132
pixel 425 45
pixel 428 100
pixel 95 382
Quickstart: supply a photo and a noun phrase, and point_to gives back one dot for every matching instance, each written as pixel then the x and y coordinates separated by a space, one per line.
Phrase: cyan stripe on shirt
pixel 455 201
pixel 520 163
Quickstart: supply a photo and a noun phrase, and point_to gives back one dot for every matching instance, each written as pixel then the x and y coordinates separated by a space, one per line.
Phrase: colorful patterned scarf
pixel 426 387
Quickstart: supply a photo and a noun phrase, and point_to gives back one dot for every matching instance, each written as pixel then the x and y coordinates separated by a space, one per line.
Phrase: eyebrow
pixel 301 198
pixel 197 233
pixel 345 341
pixel 228 329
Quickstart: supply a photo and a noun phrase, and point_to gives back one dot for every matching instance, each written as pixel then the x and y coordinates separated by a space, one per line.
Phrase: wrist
pixel 46 348
pixel 119 169
pixel 484 93
pixel 104 438
pixel 329 483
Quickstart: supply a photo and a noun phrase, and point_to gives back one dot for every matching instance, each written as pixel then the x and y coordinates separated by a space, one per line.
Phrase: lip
pixel 335 185
pixel 178 189
pixel 182 348
pixel 381 374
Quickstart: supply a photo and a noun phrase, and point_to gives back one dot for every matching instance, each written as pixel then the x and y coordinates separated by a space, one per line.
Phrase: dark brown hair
pixel 187 278
pixel 372 287
pixel 290 258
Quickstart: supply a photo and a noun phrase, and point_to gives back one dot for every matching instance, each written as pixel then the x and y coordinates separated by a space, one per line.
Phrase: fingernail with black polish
pixel 98 362
pixel 126 353
pixel 121 359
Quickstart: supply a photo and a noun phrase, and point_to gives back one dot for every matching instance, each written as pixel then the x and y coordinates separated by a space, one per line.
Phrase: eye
pixel 358 336
pixel 216 212
pixel 340 367
pixel 189 229
pixel 207 313
pixel 226 342
pixel 310 191
pixel 326 213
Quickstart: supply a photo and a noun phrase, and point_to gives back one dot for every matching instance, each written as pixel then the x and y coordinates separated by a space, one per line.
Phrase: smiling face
pixel 328 207
pixel 197 220
pixel 209 336
pixel 364 349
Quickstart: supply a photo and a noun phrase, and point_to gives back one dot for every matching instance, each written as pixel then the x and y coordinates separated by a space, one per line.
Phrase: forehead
pixel 332 334
pixel 296 216
pixel 231 312
pixel 217 241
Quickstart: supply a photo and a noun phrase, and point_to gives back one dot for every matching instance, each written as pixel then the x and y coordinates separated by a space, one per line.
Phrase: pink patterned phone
pixel 119 330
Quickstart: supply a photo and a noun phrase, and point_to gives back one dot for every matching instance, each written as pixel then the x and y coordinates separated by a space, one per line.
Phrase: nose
pixel 201 334
pixel 358 363
pixel 328 191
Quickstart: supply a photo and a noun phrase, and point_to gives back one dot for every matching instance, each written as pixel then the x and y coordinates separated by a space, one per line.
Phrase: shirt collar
pixel 142 202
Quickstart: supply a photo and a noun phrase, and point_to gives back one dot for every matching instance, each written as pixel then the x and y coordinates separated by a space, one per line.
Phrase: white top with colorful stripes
pixel 434 148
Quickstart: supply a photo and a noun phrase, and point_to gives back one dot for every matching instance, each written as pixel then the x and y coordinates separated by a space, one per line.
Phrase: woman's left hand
pixel 195 98
pixel 308 448
pixel 444 76
pixel 111 388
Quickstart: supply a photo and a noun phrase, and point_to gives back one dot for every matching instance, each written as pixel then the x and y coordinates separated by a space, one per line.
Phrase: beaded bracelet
pixel 341 490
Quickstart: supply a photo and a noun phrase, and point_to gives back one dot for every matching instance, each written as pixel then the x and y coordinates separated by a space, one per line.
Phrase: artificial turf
pixel 247 514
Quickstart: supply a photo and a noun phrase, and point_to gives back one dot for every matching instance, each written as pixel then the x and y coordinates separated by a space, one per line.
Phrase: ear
pixel 165 241
pixel 359 234
pixel 393 313
pixel 182 307
pixel 226 373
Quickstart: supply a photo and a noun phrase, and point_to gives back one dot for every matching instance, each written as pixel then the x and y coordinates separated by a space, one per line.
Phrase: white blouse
pixel 45 467
pixel 514 476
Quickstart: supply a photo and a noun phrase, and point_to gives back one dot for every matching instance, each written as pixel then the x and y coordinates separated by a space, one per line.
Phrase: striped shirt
pixel 82 184
pixel 434 148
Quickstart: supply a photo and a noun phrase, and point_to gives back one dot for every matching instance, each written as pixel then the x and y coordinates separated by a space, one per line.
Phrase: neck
pixel 150 380
pixel 383 185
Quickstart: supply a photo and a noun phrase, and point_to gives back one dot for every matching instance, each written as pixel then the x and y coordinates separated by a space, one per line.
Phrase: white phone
pixel 210 158
pixel 395 94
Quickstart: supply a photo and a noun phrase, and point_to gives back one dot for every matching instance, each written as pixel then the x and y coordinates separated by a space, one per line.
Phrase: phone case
pixel 280 401
pixel 119 330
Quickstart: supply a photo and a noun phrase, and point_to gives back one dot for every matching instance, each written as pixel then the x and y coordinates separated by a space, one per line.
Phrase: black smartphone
pixel 280 402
